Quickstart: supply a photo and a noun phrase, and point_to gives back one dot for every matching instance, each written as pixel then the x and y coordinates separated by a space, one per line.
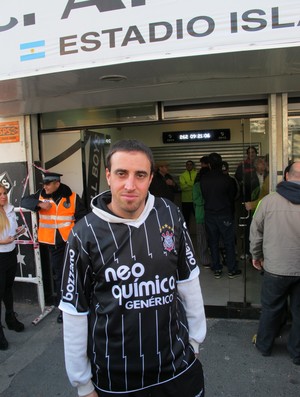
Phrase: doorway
pixel 224 297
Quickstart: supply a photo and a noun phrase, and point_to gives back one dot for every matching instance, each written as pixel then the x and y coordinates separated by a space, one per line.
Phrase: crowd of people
pixel 216 199
pixel 127 275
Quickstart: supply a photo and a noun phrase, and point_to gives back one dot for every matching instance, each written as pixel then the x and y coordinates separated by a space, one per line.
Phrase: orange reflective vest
pixel 59 217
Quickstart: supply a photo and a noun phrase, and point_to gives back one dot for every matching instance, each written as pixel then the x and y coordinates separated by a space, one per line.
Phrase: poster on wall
pixel 9 131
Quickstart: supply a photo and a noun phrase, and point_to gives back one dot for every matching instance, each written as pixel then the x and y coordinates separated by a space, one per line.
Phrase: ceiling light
pixel 113 77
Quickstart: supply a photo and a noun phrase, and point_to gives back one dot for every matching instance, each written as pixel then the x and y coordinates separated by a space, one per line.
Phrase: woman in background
pixel 8 264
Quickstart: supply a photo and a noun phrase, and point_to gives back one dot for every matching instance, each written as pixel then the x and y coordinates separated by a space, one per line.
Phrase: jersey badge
pixel 167 236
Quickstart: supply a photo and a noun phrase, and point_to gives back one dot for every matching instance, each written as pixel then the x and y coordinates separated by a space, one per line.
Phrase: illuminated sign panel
pixel 196 136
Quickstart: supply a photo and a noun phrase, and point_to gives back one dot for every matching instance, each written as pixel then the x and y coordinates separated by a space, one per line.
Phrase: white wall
pixel 52 145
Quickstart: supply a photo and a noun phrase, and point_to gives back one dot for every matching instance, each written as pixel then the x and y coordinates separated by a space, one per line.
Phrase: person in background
pixel 225 170
pixel 202 245
pixel 257 178
pixel 262 168
pixel 246 166
pixel 186 181
pixel 204 167
pixel 243 174
pixel 218 192
pixel 131 300
pixel 9 230
pixel 275 248
pixel 248 179
pixel 253 182
pixel 163 184
pixel 58 208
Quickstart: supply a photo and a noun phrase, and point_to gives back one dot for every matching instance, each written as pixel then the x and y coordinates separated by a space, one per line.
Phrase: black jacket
pixel 219 192
pixel 159 187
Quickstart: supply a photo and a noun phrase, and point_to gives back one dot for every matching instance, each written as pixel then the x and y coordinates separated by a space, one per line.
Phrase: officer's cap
pixel 51 176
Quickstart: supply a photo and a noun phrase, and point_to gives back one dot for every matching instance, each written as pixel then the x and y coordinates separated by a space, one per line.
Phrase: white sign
pixel 39 37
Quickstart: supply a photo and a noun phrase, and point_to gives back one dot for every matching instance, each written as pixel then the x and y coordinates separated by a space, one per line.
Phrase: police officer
pixel 59 208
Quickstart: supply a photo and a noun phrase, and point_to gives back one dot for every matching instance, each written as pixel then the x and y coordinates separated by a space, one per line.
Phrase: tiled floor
pixel 241 290
pixel 218 292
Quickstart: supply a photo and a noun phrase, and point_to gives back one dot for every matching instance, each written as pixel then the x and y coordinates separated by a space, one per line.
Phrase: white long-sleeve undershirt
pixel 191 296
pixel 78 365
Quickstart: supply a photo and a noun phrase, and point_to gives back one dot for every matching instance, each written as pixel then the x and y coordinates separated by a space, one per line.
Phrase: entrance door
pixel 224 296
pixel 230 297
pixel 252 174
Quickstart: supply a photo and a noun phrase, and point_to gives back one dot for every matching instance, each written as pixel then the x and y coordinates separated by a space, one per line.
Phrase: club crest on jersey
pixel 167 236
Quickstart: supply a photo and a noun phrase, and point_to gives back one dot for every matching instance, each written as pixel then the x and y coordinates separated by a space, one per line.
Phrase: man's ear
pixel 107 174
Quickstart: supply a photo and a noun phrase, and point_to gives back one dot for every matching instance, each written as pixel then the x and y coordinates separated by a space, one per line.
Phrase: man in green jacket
pixel 186 181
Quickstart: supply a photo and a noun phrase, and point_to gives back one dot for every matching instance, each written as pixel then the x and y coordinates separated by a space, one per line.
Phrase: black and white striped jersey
pixel 124 274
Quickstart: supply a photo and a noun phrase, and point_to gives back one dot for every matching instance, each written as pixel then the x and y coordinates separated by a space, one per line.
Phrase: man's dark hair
pixel 191 162
pixel 287 170
pixel 215 161
pixel 204 160
pixel 129 145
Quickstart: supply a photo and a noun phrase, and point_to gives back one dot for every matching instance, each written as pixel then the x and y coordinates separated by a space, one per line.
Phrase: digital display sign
pixel 196 136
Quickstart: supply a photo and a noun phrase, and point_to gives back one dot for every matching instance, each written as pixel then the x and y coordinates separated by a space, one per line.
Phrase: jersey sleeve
pixel 188 268
pixel 77 276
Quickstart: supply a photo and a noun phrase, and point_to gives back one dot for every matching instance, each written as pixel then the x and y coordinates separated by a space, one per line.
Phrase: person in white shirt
pixel 9 229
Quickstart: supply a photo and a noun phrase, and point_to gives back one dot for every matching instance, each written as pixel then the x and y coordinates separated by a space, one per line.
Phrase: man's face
pixel 251 154
pixel 51 187
pixel 129 180
pixel 260 166
pixel 189 166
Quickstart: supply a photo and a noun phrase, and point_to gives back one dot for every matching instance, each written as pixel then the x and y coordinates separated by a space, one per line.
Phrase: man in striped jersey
pixel 131 297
